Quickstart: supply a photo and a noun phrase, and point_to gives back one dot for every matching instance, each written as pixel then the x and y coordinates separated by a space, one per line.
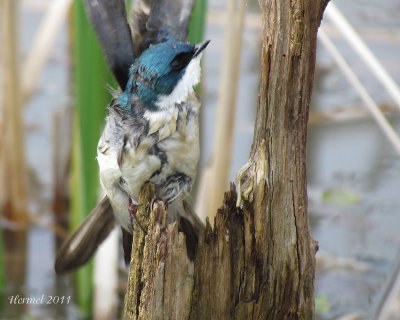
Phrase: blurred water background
pixel 353 172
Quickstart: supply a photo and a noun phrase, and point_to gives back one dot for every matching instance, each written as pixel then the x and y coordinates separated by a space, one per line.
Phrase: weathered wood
pixel 160 280
pixel 273 183
pixel 258 262
pixel 133 291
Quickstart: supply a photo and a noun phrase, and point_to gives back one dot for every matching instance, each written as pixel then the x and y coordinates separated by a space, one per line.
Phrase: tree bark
pixel 259 260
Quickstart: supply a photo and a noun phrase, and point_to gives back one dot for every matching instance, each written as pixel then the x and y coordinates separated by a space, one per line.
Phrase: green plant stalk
pixel 84 276
pixel 91 77
pixel 197 25
pixel 128 4
pixel 197 21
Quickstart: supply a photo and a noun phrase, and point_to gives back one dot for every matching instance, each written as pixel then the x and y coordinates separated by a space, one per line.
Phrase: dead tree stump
pixel 259 260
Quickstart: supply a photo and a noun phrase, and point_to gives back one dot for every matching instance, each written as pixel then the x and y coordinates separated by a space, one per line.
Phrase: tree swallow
pixel 151 133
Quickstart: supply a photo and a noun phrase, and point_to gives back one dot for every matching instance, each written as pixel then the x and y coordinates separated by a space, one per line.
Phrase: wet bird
pixel 151 133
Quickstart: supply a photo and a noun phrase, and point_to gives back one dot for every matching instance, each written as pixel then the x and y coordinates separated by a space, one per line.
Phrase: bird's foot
pixel 150 205
pixel 132 213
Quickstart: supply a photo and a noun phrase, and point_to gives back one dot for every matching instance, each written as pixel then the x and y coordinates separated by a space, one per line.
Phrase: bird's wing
pixel 78 248
pixel 153 21
pixel 113 31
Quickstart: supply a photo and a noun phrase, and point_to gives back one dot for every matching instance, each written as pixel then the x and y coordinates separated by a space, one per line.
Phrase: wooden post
pixel 12 154
pixel 258 262
pixel 273 184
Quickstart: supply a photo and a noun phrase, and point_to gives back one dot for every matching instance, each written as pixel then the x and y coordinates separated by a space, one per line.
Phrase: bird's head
pixel 163 75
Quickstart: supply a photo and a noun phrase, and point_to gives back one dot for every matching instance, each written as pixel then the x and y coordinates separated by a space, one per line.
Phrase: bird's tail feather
pixel 113 31
pixel 79 247
pixel 153 21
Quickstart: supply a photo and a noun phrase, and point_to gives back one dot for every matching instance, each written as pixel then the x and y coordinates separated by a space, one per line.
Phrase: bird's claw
pixel 150 205
pixel 132 208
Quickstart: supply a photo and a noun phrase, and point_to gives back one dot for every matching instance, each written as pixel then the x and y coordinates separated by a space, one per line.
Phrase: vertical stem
pixel 62 121
pixel 42 44
pixel 13 185
pixel 92 76
pixel 226 109
pixel 197 21
pixel 84 275
pixel 13 170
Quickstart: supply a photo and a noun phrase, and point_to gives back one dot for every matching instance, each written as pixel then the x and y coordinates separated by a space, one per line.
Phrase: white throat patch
pixel 184 87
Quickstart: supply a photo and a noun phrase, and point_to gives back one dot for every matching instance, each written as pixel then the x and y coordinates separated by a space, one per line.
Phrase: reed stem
pixel 197 21
pixel 14 181
pixel 217 176
pixel 91 77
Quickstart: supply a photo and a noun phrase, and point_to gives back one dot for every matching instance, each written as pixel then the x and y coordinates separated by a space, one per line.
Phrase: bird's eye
pixel 181 60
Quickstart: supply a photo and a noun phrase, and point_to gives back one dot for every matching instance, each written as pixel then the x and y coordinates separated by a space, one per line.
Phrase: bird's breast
pixel 162 147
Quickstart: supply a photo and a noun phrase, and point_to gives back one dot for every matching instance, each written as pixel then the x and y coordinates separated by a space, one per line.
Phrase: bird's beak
pixel 200 47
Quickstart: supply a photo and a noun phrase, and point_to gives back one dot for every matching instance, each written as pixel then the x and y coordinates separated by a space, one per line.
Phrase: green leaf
pixel 322 305
pixel 91 76
pixel 197 21
pixel 341 196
